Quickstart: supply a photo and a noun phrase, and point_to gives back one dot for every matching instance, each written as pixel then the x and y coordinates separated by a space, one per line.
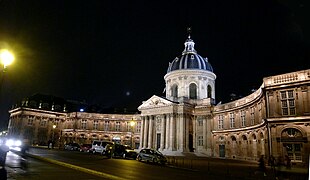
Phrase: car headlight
pixel 13 143
pixel 9 143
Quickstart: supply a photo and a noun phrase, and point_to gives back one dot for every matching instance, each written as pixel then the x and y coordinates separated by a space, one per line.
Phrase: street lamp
pixel 6 58
pixel 54 126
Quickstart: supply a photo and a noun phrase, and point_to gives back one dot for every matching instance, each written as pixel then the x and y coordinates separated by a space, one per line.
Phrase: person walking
pixel 261 165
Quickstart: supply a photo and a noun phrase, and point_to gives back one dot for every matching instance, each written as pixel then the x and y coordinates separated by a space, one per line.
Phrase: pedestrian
pixel 261 165
pixel 49 144
pixel 272 163
pixel 279 169
pixel 287 162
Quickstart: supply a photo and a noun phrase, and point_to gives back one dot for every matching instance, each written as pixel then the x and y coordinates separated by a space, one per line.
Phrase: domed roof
pixel 189 59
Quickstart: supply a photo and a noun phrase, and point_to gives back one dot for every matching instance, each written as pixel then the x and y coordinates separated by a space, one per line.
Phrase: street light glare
pixel 6 57
pixel 132 123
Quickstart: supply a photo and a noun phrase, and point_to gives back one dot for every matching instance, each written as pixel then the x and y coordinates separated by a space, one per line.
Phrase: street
pixel 59 164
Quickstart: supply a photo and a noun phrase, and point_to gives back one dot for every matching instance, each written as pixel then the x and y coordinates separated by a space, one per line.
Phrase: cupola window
pixel 193 91
pixel 174 91
pixel 209 91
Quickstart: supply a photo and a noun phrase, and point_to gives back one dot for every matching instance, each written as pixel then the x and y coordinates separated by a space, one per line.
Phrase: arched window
pixel 209 91
pixel 193 91
pixel 174 91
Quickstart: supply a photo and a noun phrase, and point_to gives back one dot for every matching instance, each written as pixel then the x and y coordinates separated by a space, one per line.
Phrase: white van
pixel 100 146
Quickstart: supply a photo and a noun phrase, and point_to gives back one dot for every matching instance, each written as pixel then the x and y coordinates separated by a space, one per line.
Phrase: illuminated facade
pixel 273 120
pixel 36 125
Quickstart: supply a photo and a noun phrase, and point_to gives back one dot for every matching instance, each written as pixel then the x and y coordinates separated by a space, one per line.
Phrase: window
pixel 200 140
pixel 232 120
pixel 106 125
pixel 288 103
pixel 209 91
pixel 221 122
pixel 118 126
pixel 200 122
pixel 174 91
pixel 243 118
pixel 193 91
pixel 84 124
pixel 138 127
pixel 129 129
pixel 96 125
pixel 30 120
pixel 43 123
pixel 252 111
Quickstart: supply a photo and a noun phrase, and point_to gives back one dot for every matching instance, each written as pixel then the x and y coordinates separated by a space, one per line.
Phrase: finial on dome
pixel 189 31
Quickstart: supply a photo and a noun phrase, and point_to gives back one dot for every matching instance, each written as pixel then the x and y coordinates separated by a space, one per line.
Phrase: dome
pixel 189 59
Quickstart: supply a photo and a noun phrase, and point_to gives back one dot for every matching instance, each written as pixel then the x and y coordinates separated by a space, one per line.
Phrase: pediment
pixel 155 101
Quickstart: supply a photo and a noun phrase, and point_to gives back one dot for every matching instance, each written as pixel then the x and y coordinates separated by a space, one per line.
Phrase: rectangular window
pixel 84 124
pixel 43 123
pixel 30 121
pixel 138 127
pixel 200 140
pixel 243 118
pixel 252 111
pixel 129 128
pixel 232 120
pixel 106 125
pixel 200 122
pixel 288 103
pixel 221 122
pixel 96 125
pixel 118 126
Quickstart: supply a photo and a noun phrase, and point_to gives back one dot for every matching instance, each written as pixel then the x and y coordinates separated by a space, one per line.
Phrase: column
pixel 186 145
pixel 150 143
pixel 172 140
pixel 142 133
pixel 204 132
pixel 182 132
pixel 145 137
pixel 167 119
pixel 162 133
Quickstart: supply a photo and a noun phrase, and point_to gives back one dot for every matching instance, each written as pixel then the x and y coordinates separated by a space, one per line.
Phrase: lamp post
pixel 54 126
pixel 6 58
pixel 132 124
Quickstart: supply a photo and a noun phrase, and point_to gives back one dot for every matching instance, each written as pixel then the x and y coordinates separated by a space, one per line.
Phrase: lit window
pixel 288 103
pixel 200 140
pixel 96 125
pixel 232 120
pixel 106 125
pixel 242 118
pixel 118 126
pixel 84 124
pixel 252 111
pixel 221 122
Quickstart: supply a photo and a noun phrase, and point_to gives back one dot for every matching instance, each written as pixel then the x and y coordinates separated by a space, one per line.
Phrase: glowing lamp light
pixel 81 110
pixel 132 123
pixel 6 57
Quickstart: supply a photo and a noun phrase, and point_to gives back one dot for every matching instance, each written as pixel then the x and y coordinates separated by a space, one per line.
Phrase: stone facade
pixel 36 125
pixel 273 120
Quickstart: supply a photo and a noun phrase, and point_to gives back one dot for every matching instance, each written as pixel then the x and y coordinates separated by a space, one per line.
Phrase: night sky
pixel 115 53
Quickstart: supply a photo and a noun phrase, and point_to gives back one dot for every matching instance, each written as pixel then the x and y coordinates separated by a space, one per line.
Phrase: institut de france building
pixel 273 120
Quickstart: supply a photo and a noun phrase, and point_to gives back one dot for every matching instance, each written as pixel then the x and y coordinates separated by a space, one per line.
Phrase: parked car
pixel 151 155
pixel 85 148
pixel 72 147
pixel 122 151
pixel 100 146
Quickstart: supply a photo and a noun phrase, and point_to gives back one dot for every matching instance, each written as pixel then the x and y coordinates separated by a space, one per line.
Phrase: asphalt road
pixel 58 164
